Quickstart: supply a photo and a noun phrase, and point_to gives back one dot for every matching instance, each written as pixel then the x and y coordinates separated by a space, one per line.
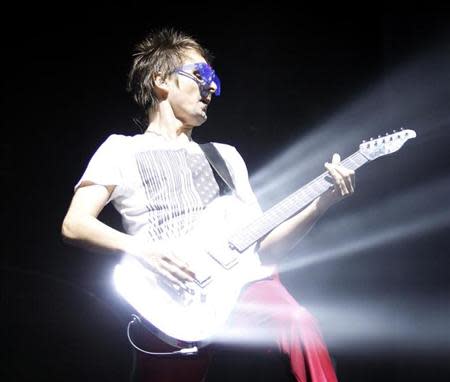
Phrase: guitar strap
pixel 220 169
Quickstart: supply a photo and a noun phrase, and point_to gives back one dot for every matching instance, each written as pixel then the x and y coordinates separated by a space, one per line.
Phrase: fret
pixel 283 210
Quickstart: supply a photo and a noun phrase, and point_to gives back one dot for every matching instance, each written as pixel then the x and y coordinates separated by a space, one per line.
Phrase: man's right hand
pixel 163 261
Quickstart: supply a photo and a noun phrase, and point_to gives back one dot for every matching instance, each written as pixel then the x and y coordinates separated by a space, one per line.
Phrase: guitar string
pixel 279 212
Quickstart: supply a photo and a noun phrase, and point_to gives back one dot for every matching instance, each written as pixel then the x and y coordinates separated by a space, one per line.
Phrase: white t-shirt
pixel 161 186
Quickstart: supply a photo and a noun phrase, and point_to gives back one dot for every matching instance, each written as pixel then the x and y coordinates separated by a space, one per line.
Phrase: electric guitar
pixel 222 252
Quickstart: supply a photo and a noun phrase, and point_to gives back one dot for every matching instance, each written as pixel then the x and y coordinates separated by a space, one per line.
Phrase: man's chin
pixel 197 119
pixel 201 118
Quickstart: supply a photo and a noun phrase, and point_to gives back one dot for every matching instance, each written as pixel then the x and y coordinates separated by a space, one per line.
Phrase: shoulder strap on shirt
pixel 220 169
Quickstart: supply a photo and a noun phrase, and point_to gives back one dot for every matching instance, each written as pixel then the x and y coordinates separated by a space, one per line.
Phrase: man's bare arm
pixel 286 236
pixel 82 228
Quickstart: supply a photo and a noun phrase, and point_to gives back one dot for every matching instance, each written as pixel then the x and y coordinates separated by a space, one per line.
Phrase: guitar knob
pixel 394 131
pixel 371 138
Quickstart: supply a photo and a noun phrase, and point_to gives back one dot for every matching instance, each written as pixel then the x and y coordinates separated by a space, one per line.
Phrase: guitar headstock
pixel 390 143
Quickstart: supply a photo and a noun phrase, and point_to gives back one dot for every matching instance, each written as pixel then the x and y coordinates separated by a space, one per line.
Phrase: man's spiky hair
pixel 161 52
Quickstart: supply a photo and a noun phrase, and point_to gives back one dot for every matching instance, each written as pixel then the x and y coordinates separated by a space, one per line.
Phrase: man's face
pixel 190 101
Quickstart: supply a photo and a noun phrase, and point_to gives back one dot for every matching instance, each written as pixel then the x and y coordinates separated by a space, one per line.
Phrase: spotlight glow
pixel 398 218
pixel 415 96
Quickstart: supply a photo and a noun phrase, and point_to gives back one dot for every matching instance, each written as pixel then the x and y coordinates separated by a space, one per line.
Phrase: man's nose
pixel 212 87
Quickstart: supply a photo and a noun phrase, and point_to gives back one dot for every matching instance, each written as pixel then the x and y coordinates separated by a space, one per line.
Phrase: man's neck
pixel 169 128
pixel 177 135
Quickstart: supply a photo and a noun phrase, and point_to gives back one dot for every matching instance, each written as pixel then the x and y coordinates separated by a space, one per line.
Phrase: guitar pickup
pixel 202 278
pixel 225 258
pixel 202 273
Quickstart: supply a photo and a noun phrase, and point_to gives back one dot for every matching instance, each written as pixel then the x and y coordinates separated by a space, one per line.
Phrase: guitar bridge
pixel 182 296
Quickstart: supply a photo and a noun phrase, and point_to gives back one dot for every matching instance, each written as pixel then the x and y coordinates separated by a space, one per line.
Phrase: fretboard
pixel 289 206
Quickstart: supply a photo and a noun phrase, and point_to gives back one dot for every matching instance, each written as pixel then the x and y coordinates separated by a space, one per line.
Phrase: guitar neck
pixel 289 206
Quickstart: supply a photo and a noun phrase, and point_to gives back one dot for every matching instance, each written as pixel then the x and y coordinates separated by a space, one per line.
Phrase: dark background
pixel 284 74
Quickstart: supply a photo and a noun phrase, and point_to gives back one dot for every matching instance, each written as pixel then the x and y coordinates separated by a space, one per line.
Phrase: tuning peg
pixel 401 128
pixel 379 136
pixel 371 138
pixel 394 131
pixel 387 134
pixel 364 141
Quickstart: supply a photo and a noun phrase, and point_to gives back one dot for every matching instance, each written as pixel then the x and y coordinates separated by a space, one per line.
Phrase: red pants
pixel 266 315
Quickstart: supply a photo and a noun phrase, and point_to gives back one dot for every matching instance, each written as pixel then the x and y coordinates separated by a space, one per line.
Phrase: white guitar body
pixel 222 268
pixel 184 319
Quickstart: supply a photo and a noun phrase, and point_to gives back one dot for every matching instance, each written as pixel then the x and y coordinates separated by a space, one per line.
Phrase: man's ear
pixel 161 86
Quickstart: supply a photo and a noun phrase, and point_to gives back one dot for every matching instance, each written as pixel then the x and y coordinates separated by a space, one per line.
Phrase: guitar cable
pixel 183 352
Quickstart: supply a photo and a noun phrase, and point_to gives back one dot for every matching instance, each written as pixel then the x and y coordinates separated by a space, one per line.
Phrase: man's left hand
pixel 343 179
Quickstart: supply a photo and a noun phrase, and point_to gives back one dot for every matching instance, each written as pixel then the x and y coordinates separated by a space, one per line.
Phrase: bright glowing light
pixel 386 323
pixel 415 96
pixel 350 234
pixel 375 325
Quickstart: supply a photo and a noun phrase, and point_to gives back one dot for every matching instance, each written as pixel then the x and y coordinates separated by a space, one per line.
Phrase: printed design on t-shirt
pixel 178 185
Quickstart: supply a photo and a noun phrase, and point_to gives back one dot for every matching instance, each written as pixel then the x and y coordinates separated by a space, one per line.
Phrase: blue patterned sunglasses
pixel 203 75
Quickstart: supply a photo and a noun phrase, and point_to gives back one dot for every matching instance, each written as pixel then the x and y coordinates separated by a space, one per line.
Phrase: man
pixel 160 182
